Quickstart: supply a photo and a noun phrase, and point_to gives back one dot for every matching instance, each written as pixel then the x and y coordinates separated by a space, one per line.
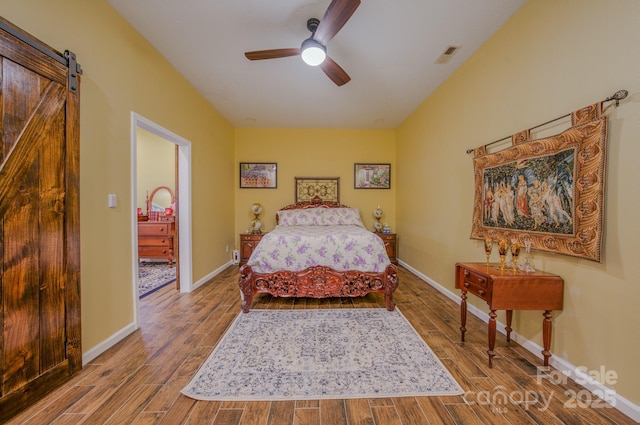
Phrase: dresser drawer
pixel 154 251
pixel 154 228
pixel 251 237
pixel 155 241
pixel 476 284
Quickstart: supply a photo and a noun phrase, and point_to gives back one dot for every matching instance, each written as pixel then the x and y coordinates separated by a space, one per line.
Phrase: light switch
pixel 112 200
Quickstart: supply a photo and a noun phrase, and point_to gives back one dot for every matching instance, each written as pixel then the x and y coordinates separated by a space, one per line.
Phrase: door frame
pixel 184 203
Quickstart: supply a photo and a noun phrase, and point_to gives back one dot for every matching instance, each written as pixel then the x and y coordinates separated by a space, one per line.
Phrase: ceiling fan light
pixel 312 52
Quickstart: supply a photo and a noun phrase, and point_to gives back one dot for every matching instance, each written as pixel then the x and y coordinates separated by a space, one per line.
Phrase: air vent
pixel 447 54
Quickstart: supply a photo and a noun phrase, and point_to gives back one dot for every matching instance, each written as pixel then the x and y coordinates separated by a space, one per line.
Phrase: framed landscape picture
pixel 262 175
pixel 372 176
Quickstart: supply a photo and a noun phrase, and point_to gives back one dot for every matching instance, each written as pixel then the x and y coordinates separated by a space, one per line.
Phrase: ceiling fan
pixel 314 49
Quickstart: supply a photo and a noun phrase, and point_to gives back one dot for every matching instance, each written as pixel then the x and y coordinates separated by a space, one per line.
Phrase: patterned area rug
pixel 321 354
pixel 153 276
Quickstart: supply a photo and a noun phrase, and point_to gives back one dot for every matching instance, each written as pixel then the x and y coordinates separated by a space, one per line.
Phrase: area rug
pixel 321 354
pixel 153 276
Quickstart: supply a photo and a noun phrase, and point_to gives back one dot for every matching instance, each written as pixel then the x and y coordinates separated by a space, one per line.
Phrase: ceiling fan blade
pixel 336 15
pixel 272 54
pixel 335 72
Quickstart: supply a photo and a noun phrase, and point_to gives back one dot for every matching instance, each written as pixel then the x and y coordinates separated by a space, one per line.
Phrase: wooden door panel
pixel 51 198
pixel 32 136
pixel 20 283
pixel 39 220
pixel 21 53
pixel 25 84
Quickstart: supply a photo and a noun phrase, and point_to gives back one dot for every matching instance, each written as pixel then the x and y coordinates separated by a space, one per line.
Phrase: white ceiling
pixel 388 47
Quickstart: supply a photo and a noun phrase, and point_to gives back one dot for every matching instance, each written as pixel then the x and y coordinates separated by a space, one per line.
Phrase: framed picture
pixel 263 175
pixel 325 188
pixel 372 176
pixel 547 191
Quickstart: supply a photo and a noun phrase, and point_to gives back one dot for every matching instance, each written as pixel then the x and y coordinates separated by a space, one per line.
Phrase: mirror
pixel 160 199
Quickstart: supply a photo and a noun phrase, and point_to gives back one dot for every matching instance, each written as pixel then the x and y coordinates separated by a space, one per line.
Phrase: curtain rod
pixel 617 96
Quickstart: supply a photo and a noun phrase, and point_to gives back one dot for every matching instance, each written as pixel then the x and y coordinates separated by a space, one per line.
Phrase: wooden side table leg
pixel 463 315
pixel 492 336
pixel 508 327
pixel 546 336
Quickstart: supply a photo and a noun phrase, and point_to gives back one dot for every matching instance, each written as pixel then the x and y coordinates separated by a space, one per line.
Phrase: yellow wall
pixel 123 73
pixel 314 153
pixel 156 166
pixel 552 57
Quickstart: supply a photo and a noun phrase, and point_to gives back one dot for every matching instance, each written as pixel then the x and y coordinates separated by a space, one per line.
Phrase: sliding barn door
pixel 39 220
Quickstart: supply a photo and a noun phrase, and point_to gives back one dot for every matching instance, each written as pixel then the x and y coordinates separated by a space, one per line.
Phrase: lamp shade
pixel 256 209
pixel 312 52
pixel 378 213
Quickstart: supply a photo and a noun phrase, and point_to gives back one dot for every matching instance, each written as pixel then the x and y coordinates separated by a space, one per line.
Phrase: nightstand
pixel 248 243
pixel 391 244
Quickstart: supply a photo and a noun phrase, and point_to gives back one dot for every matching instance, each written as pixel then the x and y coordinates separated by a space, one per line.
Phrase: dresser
pixel 156 239
pixel 509 290
pixel 248 243
pixel 391 244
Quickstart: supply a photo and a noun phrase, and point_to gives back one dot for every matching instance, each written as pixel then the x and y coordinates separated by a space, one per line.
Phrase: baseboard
pixel 565 367
pixel 127 330
pixel 211 275
pixel 94 352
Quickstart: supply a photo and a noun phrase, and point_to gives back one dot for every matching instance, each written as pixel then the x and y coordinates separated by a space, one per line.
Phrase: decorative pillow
pixel 341 216
pixel 302 217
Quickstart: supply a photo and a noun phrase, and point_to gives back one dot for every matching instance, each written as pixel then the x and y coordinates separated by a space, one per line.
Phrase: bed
pixel 318 249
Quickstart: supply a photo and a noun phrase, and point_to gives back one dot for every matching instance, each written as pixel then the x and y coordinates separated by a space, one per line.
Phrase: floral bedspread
pixel 341 247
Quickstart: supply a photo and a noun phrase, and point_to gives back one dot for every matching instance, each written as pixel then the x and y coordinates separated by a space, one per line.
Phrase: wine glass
pixel 503 247
pixel 515 252
pixel 527 267
pixel 488 246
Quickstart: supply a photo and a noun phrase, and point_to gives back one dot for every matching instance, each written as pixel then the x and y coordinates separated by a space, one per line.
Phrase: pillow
pixel 301 217
pixel 341 216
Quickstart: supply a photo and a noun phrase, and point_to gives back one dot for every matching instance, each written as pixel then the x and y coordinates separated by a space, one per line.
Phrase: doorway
pixel 183 191
pixel 158 256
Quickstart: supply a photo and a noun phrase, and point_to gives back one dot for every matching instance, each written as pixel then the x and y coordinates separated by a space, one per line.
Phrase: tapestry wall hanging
pixel 549 191
pixel 325 188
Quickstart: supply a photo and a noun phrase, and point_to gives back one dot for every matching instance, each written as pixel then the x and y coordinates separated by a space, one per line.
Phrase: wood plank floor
pixel 139 380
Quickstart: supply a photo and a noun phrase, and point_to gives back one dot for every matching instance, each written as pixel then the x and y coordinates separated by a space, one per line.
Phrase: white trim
pixel 94 352
pixel 184 203
pixel 622 404
pixel 212 275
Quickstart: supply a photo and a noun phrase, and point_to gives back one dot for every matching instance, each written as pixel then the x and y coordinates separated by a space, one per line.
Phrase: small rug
pixel 321 354
pixel 153 276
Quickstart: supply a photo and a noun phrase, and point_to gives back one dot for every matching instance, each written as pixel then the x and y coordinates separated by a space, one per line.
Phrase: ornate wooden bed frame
pixel 317 281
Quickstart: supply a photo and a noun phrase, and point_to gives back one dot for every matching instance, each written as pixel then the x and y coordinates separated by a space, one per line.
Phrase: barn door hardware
pixel 74 70
pixel 68 59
